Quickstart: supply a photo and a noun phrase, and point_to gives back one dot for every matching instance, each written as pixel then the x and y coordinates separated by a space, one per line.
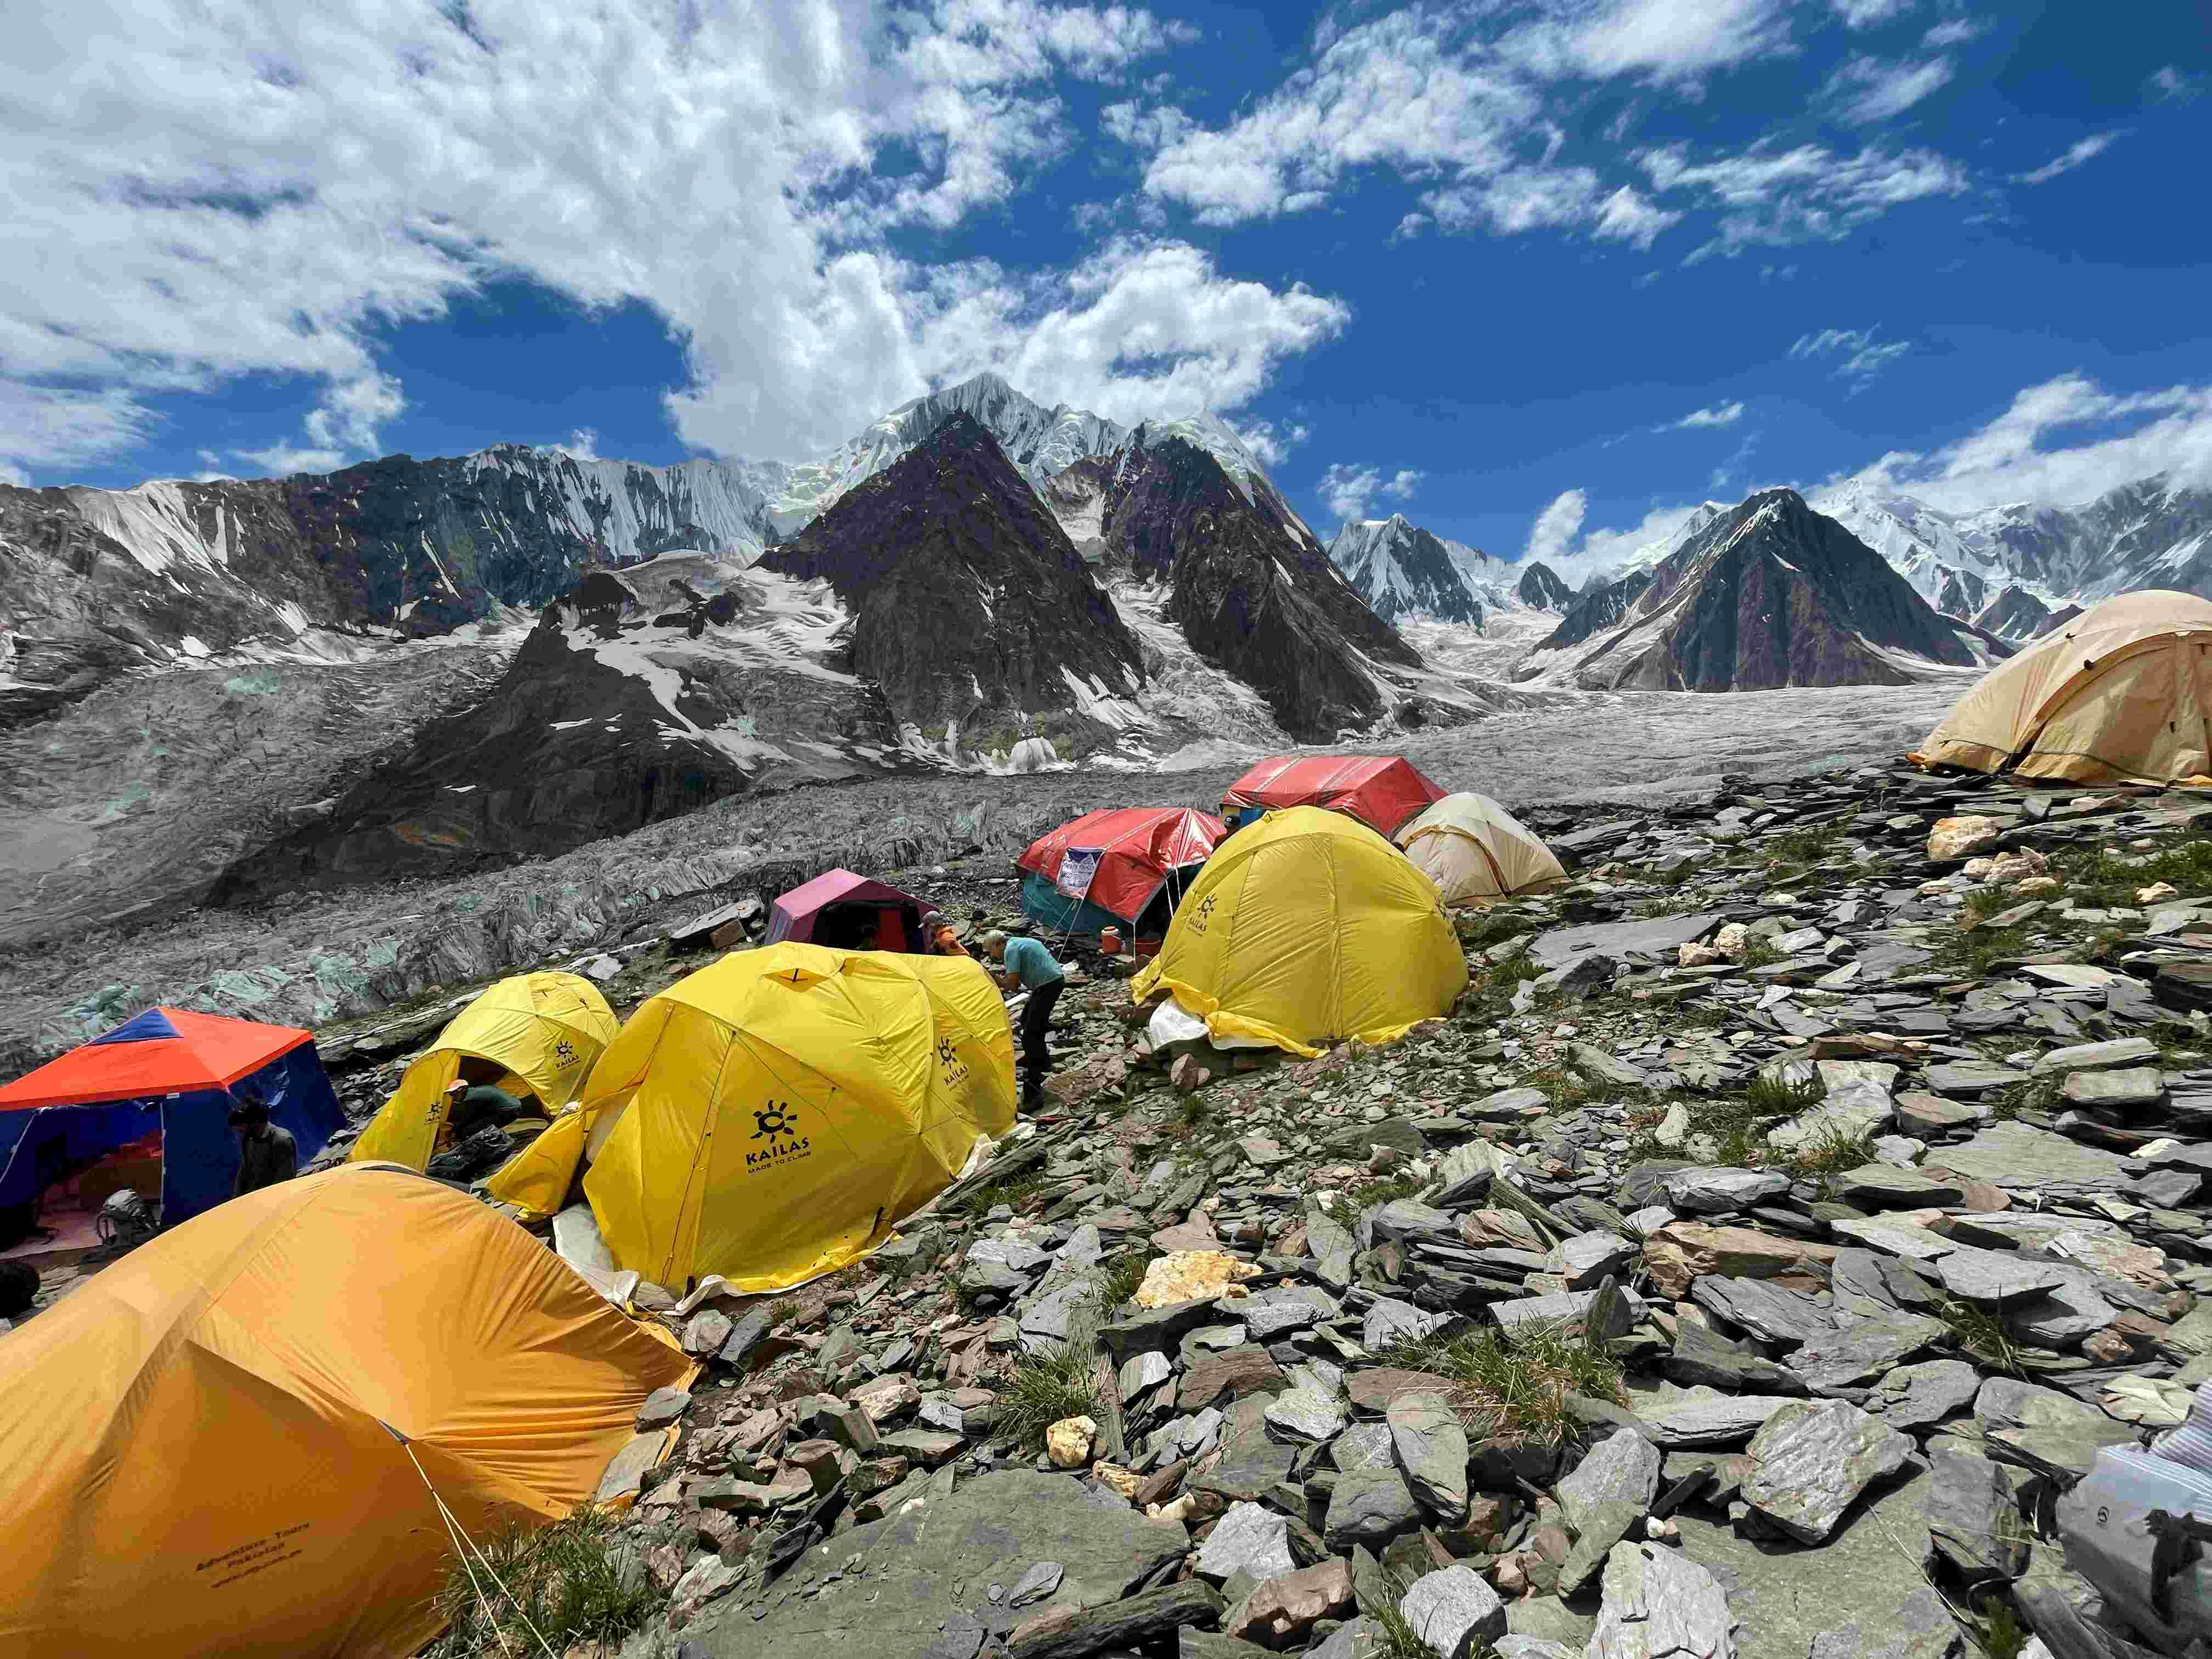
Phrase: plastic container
pixel 1110 941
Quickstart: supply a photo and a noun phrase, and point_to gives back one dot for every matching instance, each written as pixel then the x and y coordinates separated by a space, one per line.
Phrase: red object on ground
pixel 791 916
pixel 1137 846
pixel 1384 792
pixel 164 1051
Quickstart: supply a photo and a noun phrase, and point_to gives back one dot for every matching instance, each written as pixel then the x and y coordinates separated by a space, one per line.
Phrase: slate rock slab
pixel 1369 1506
pixel 1861 1595
pixel 1865 1350
pixel 1431 1447
pixel 1996 1278
pixel 1919 1396
pixel 1811 1459
pixel 1454 1610
pixel 1621 1469
pixel 1708 1190
pixel 1247 1538
pixel 1700 1417
pixel 1661 1605
pixel 988 1530
pixel 1661 936
pixel 2018 1157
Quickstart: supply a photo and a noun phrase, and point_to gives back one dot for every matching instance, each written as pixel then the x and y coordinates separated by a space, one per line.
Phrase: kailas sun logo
pixel 950 1066
pixel 565 1052
pixel 1203 915
pixel 778 1125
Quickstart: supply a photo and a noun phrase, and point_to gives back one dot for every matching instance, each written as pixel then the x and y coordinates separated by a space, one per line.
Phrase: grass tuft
pixel 569 1580
pixel 1801 849
pixel 1049 1385
pixel 1981 1333
pixel 1013 1193
pixel 1997 1630
pixel 1394 1637
pixel 1513 1387
pixel 1833 1150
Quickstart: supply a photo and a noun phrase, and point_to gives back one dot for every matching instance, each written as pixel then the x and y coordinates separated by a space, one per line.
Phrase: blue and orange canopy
pixel 164 1051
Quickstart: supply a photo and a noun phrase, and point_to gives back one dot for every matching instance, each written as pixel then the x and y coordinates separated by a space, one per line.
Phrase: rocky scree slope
pixel 1795 1207
pixel 1768 594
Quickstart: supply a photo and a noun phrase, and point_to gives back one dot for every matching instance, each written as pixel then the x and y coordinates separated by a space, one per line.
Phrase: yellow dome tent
pixel 1304 926
pixel 207 1444
pixel 772 1116
pixel 2121 692
pixel 1473 850
pixel 547 1029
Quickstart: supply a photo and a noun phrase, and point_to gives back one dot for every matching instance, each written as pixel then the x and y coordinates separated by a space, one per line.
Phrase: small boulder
pixel 1068 1441
pixel 1952 840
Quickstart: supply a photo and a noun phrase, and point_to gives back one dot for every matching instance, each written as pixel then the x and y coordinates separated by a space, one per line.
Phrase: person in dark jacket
pixel 266 1153
pixel 1027 964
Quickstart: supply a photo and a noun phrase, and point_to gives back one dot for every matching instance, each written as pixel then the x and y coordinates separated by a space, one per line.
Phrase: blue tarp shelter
pixel 169 1070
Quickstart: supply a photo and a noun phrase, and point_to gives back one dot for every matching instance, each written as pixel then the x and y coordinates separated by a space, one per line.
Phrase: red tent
pixel 1119 860
pixel 1382 791
pixel 827 909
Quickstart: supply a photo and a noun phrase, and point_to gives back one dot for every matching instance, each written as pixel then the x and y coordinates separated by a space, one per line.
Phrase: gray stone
pixel 1405 1217
pixel 2137 1086
pixel 1466 1171
pixel 1547 1618
pixel 1353 1639
pixel 2095 1056
pixel 1276 1313
pixel 1700 1417
pixel 1247 1538
pixel 1621 1469
pixel 1454 1610
pixel 1563 1307
pixel 706 1331
pixel 917 1562
pixel 1661 937
pixel 1142 1373
pixel 1919 1396
pixel 1044 1322
pixel 1369 1506
pixel 1535 1647
pixel 1604 1525
pixel 1251 1464
pixel 1864 1349
pixel 1919 1113
pixel 1862 1596
pixel 1306 1415
pixel 626 1470
pixel 1331 1243
pixel 1595 1062
pixel 1702 1355
pixel 1769 1313
pixel 745 1333
pixel 1389 1319
pixel 2019 1157
pixel 1708 1190
pixel 1660 1605
pixel 1993 1279
pixel 1039 1582
pixel 1889 1186
pixel 1431 1447
pixel 2070 1311
pixel 1972 1521
pixel 1586 1258
pixel 1972 1077
pixel 663 1407
pixel 1363 1446
pixel 1811 1460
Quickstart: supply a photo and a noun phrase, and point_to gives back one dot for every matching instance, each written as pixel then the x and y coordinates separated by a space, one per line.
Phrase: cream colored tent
pixel 1475 850
pixel 2123 691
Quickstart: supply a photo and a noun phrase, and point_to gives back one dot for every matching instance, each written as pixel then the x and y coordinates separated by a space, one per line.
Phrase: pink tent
pixel 837 908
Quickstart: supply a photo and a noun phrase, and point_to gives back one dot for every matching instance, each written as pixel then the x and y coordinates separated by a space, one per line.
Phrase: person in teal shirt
pixel 1026 962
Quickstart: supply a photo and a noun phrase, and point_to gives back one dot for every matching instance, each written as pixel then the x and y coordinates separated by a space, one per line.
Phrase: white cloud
pixel 11 474
pixel 1779 197
pixel 244 187
pixel 1954 32
pixel 2170 82
pixel 1659 40
pixel 2136 436
pixel 1347 489
pixel 2093 146
pixel 583 445
pixel 1528 198
pixel 1716 415
pixel 1602 553
pixel 1556 527
pixel 1868 89
pixel 1269 441
pixel 1865 14
pixel 1859 355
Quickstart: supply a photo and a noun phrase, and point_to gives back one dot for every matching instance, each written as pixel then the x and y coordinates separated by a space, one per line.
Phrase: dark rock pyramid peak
pixel 1541 589
pixel 967 596
pixel 1250 587
pixel 1768 594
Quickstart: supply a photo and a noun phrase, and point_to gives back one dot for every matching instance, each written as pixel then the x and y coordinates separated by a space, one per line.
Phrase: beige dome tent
pixel 1473 850
pixel 2123 691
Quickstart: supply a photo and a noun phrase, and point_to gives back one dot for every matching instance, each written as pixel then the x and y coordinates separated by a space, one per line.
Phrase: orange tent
pixel 1382 791
pixel 226 1442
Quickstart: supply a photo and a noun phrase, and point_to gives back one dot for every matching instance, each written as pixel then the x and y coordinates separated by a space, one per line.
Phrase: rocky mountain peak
pixel 970 603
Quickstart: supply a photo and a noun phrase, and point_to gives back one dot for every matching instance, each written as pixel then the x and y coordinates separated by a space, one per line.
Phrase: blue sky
pixel 1538 273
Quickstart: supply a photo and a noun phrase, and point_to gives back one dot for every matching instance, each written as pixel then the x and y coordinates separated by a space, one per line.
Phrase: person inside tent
pixel 267 1153
pixel 1026 962
pixel 942 940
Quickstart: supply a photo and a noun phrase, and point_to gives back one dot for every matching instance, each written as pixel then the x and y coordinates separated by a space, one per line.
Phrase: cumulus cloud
pixel 1865 90
pixel 1954 32
pixel 1714 415
pixel 1660 40
pixel 2087 150
pixel 1858 355
pixel 1552 536
pixel 2118 439
pixel 1865 14
pixel 259 189
pixel 1348 489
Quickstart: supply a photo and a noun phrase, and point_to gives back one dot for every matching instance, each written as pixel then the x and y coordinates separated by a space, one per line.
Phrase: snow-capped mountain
pixel 1767 594
pixel 1403 571
pixel 2154 532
